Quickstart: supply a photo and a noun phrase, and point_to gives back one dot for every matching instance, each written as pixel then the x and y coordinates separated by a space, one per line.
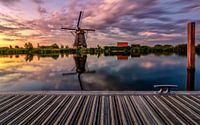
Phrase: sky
pixel 145 22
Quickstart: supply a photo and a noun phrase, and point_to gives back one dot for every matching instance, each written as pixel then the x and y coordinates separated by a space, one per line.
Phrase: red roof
pixel 121 44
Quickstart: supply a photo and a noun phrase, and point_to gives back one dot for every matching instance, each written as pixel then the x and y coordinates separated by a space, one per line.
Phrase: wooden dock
pixel 99 108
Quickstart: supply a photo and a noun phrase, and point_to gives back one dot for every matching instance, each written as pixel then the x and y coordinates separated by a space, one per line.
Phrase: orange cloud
pixel 147 33
pixel 171 35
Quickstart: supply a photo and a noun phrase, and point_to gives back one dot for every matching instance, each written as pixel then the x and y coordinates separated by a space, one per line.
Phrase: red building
pixel 122 44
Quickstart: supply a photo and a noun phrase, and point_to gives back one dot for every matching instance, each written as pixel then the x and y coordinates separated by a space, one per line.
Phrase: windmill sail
pixel 79 20
pixel 68 28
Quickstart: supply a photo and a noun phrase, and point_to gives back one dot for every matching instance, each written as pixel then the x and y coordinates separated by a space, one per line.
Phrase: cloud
pixel 42 10
pixel 144 22
pixel 38 1
pixel 4 28
pixel 171 35
pixel 147 33
pixel 9 2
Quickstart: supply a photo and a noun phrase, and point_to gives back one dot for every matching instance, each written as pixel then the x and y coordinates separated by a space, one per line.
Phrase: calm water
pixel 93 73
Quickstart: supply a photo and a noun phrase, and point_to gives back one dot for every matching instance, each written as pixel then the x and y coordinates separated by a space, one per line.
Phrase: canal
pixel 90 73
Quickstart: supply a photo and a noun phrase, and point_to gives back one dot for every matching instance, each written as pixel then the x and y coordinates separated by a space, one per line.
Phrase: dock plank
pixel 108 109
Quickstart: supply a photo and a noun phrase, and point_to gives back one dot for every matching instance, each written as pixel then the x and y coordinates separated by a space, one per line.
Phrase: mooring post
pixel 190 80
pixel 191 56
pixel 191 46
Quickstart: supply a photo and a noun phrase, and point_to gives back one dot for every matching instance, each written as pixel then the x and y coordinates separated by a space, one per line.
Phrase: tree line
pixel 107 50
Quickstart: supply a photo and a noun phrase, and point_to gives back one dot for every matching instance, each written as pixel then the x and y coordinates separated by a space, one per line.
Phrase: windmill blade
pixel 90 72
pixel 89 30
pixel 71 73
pixel 73 33
pixel 79 20
pixel 86 35
pixel 73 69
pixel 68 28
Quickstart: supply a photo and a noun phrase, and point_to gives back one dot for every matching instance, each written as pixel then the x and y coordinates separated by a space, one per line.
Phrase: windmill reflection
pixel 81 67
pixel 190 80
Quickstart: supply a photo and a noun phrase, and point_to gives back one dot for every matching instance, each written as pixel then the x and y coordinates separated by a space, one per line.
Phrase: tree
pixel 10 47
pixel 99 47
pixel 55 46
pixel 62 46
pixel 28 45
pixel 66 46
pixel 16 46
pixel 38 45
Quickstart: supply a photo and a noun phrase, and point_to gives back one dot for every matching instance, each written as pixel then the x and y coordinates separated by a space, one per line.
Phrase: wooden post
pixel 190 80
pixel 191 46
pixel 191 56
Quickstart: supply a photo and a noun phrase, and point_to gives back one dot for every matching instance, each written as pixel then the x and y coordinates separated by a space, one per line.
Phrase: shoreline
pixel 100 93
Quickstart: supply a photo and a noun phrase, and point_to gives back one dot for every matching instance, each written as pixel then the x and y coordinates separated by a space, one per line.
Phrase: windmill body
pixel 80 39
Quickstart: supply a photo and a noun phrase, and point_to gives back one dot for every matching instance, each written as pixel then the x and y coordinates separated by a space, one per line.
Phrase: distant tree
pixel 99 47
pixel 28 45
pixel 198 49
pixel 66 46
pixel 158 46
pixel 181 47
pixel 62 46
pixel 10 47
pixel 38 45
pixel 55 46
pixel 16 46
pixel 168 46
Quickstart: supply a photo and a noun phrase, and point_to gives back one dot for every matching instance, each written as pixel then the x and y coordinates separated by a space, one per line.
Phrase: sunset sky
pixel 146 22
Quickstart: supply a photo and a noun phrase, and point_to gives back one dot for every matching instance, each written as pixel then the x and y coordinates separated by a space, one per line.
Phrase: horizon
pixel 146 23
pixel 59 45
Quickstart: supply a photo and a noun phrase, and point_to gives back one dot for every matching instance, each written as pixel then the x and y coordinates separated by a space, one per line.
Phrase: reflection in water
pixel 45 72
pixel 122 57
pixel 29 57
pixel 81 62
pixel 190 80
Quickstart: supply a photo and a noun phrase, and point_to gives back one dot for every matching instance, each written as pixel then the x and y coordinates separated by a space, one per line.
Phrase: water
pixel 92 73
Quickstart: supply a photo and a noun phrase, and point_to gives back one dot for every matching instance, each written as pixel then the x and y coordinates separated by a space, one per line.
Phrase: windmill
pixel 81 63
pixel 80 39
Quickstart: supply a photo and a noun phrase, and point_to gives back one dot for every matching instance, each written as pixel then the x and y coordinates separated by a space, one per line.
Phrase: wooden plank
pixel 100 109
pixel 55 115
pixel 180 110
pixel 38 109
pixel 17 109
pixel 190 104
pixel 4 98
pixel 29 111
pixel 161 110
pixel 131 115
pixel 5 106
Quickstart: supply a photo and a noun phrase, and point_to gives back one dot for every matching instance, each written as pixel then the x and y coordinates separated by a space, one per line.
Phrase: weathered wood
pixel 191 46
pixel 99 109
pixel 190 80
